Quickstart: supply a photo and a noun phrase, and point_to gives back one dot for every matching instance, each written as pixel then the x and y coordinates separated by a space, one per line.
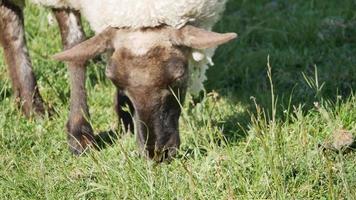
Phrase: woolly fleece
pixel 150 13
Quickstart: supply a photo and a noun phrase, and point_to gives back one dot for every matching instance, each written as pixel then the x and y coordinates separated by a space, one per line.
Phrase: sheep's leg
pixel 80 132
pixel 124 110
pixel 12 39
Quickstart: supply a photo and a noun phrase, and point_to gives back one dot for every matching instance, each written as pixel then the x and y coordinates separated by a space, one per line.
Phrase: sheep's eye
pixel 176 68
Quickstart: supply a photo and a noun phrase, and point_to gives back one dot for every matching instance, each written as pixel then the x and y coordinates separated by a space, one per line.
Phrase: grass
pixel 273 96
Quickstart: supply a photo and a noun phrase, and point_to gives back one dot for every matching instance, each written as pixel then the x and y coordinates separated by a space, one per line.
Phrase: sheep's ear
pixel 198 38
pixel 89 48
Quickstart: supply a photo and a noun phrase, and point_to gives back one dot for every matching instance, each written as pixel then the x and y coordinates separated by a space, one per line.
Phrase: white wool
pixel 150 13
pixel 58 3
pixel 143 13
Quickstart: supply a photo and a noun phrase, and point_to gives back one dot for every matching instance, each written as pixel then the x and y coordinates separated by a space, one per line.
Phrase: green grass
pixel 243 141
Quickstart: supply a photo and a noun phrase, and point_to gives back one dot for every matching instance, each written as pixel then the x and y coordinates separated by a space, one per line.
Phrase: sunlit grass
pixel 241 140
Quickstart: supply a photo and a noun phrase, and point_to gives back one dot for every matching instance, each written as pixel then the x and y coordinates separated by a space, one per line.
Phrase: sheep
pixel 148 13
pixel 156 48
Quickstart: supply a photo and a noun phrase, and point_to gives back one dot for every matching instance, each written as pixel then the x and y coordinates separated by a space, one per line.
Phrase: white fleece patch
pixel 198 55
pixel 151 13
pixel 75 34
pixel 143 13
pixel 58 3
pixel 140 43
pixel 197 70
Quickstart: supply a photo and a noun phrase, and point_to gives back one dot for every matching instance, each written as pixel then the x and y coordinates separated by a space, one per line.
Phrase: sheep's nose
pixel 164 155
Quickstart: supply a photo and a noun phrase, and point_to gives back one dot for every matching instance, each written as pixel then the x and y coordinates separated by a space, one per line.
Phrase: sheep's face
pixel 154 77
pixel 150 67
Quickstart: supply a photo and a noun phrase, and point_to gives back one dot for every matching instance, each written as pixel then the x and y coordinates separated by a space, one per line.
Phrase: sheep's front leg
pixel 12 39
pixel 124 110
pixel 80 132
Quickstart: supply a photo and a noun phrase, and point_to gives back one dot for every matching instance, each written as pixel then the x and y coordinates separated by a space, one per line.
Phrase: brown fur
pixel 147 81
pixel 86 50
pixel 199 38
pixel 80 132
pixel 12 39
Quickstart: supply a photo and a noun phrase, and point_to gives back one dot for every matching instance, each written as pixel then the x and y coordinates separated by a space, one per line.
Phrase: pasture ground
pixel 243 139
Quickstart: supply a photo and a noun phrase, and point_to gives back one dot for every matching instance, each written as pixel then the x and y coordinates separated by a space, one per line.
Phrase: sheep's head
pixel 150 66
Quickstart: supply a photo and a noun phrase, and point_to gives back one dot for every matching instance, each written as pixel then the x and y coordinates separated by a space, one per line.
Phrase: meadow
pixel 273 97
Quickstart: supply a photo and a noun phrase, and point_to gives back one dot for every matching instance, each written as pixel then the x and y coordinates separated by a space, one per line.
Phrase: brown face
pixel 156 84
pixel 150 67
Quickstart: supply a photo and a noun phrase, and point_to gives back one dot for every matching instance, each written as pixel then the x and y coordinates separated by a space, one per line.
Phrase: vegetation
pixel 273 96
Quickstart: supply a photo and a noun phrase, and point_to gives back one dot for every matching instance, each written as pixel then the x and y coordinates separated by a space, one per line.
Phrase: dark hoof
pixel 39 111
pixel 80 146
pixel 80 138
pixel 32 105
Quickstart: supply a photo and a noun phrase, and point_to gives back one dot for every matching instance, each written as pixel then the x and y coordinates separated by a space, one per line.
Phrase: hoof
pixel 80 137
pixel 78 146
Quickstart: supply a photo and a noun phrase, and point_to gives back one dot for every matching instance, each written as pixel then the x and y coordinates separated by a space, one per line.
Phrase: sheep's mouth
pixel 161 155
